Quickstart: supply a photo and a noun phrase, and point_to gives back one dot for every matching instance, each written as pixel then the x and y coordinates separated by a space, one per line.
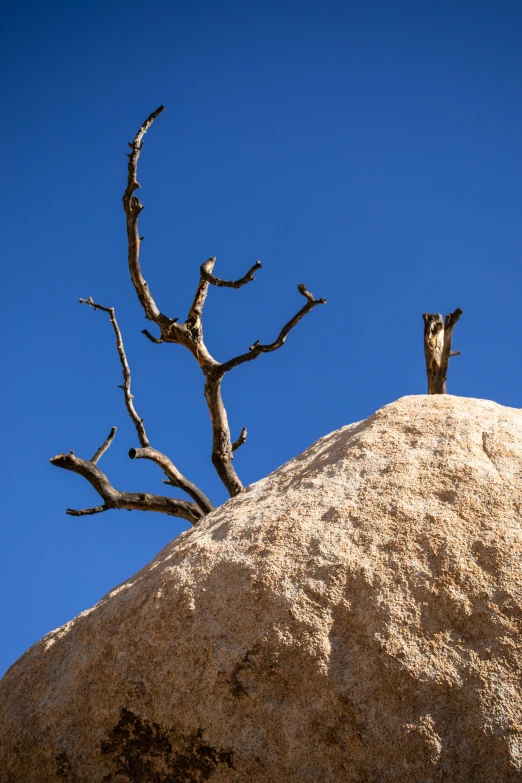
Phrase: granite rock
pixel 354 617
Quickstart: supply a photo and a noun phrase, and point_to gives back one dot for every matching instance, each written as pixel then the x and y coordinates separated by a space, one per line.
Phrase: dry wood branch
pixel 103 448
pixel 438 334
pixel 242 439
pixel 190 335
pixel 196 308
pixel 175 478
pixel 149 336
pixel 206 270
pixel 256 349
pixel 113 498
pixel 222 447
pixel 133 208
pixel 138 423
pixel 146 452
pixel 86 511
pixel 221 441
pixel 193 323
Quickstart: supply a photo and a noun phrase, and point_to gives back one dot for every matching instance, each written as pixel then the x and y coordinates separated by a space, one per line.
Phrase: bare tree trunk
pixel 438 333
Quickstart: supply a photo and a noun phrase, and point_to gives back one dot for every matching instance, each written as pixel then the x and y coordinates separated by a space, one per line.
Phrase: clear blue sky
pixel 372 150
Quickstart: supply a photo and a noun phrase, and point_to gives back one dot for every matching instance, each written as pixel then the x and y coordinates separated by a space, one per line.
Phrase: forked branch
pixel 438 334
pixel 222 447
pixel 174 477
pixel 113 498
pixel 190 335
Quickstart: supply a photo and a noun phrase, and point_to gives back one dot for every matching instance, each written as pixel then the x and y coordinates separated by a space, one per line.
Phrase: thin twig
pixel 148 335
pixel 137 421
pixel 206 270
pixel 196 308
pixel 257 348
pixel 103 448
pixel 86 511
pixel 242 439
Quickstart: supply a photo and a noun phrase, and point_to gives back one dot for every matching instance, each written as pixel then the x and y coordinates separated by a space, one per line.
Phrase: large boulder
pixel 355 616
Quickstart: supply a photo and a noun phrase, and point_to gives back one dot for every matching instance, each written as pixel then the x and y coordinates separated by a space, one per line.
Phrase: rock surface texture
pixel 354 617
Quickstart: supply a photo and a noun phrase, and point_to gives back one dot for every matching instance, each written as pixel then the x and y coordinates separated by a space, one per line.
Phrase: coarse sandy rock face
pixel 355 616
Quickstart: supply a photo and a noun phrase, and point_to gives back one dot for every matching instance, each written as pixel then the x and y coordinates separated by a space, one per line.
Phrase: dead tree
pixel 189 334
pixel 438 333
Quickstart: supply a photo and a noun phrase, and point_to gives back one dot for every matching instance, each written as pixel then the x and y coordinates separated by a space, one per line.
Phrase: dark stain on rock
pixel 141 751
pixel 63 766
pixel 245 664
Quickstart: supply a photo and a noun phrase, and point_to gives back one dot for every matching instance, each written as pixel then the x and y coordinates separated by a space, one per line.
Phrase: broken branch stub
pixel 438 333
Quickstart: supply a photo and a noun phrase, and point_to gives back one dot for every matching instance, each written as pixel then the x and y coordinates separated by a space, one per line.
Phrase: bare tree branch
pixel 221 442
pixel 138 423
pixel 103 448
pixel 148 335
pixel 137 501
pixel 196 308
pixel 206 270
pixel 451 320
pixel 222 448
pixel 86 511
pixel 190 335
pixel 449 324
pixel 256 349
pixel 147 451
pixel 194 324
pixel 175 478
pixel 438 334
pixel 133 208
pixel 242 439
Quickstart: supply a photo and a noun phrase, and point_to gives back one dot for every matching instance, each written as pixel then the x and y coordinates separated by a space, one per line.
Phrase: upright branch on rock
pixel 438 333
pixel 189 334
